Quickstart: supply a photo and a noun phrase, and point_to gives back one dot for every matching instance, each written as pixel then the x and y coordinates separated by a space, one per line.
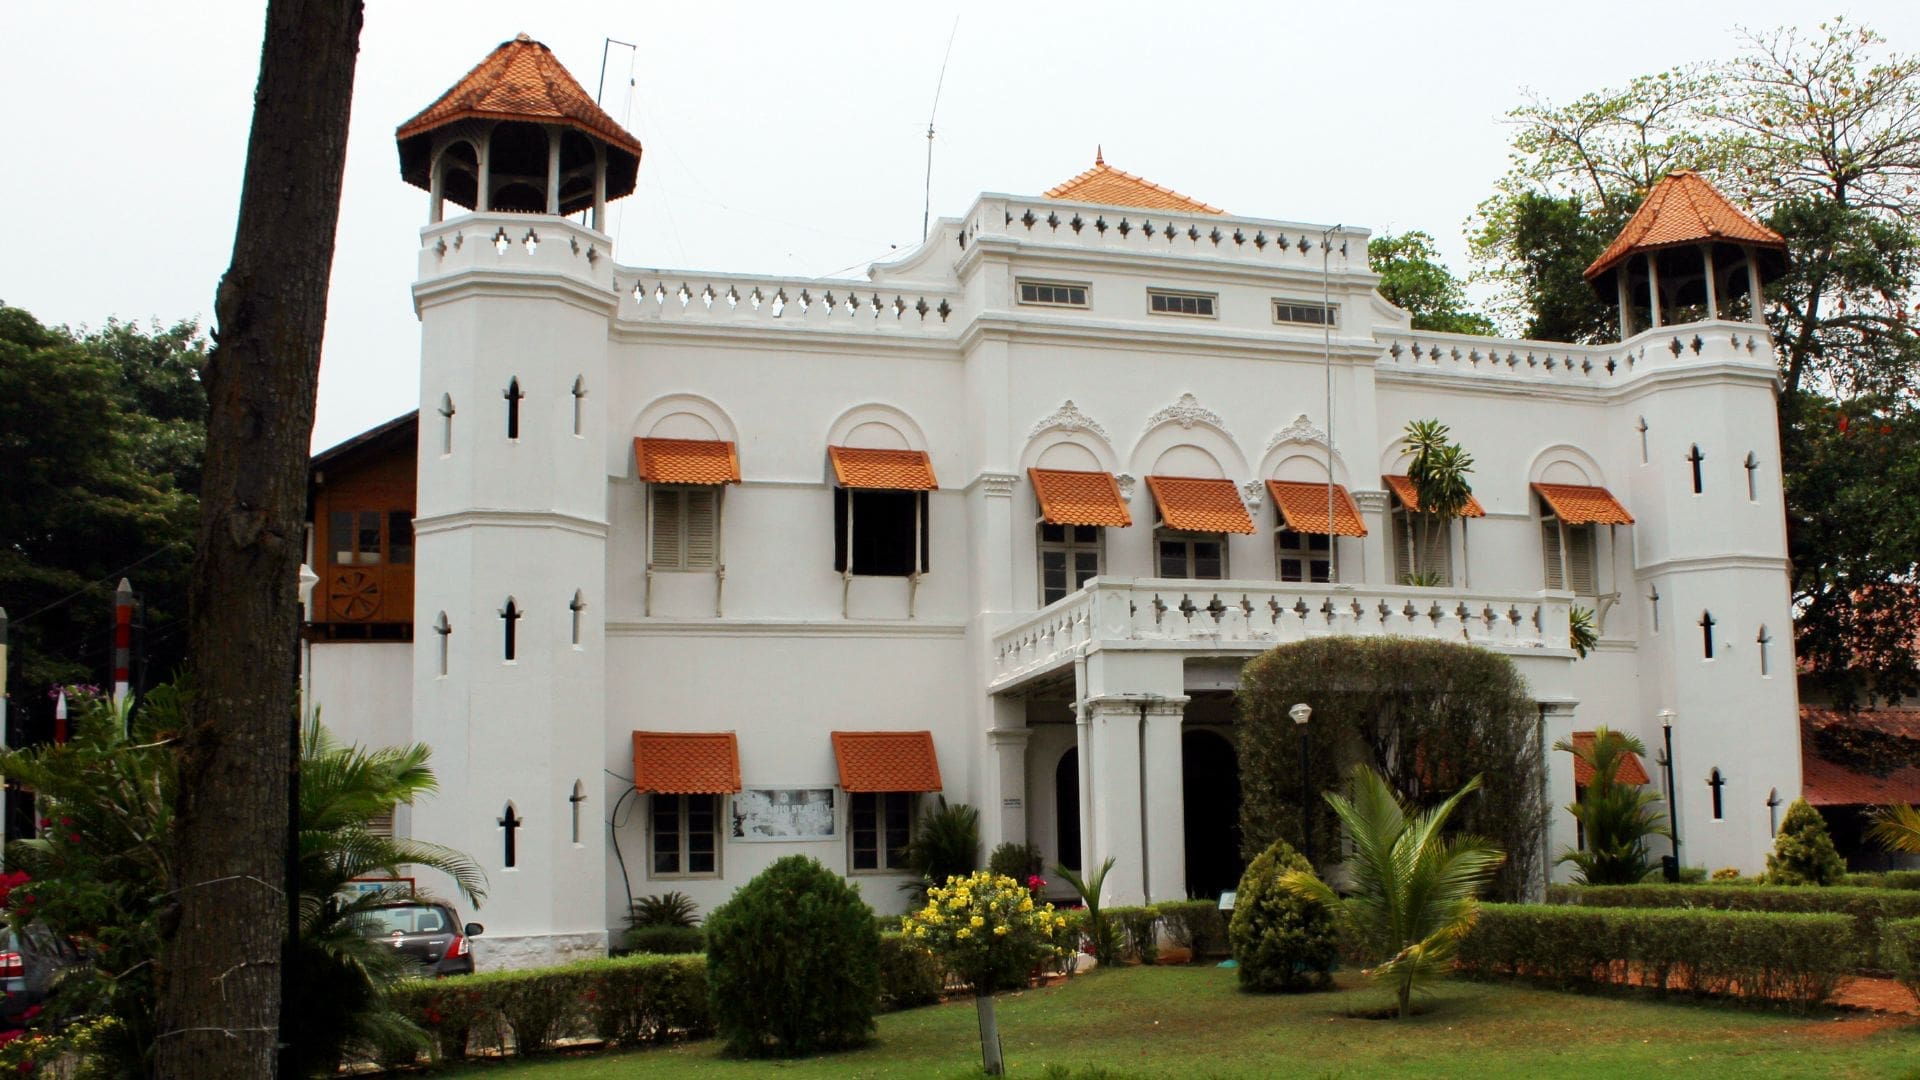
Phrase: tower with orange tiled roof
pixel 514 299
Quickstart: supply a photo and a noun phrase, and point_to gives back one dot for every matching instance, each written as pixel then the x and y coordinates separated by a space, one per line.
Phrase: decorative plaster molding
pixel 1301 430
pixel 996 485
pixel 1126 481
pixel 1068 417
pixel 1187 412
pixel 1370 502
pixel 1253 493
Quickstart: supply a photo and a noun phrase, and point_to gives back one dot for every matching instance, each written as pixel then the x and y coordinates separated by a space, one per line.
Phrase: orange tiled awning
pixel 886 760
pixel 686 461
pixel 1200 504
pixel 1577 504
pixel 885 470
pixel 1402 488
pixel 1072 497
pixel 1631 771
pixel 686 762
pixel 1303 508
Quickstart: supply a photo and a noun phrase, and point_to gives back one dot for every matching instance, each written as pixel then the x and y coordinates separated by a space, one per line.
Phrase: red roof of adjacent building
pixel 521 80
pixel 1578 504
pixel 885 470
pixel 886 760
pixel 1631 771
pixel 686 461
pixel 686 762
pixel 1303 507
pixel 1109 186
pixel 1830 783
pixel 1409 496
pixel 1200 504
pixel 1683 208
pixel 1074 497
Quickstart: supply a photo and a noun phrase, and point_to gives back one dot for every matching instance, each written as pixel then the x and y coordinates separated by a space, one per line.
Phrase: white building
pixel 690 545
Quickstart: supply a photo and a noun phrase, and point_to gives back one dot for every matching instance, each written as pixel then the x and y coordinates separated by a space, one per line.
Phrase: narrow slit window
pixel 1765 641
pixel 1753 476
pixel 443 630
pixel 446 424
pixel 513 396
pixel 575 607
pixel 509 620
pixel 1706 634
pixel 1717 782
pixel 510 823
pixel 1641 427
pixel 579 403
pixel 1694 458
pixel 574 802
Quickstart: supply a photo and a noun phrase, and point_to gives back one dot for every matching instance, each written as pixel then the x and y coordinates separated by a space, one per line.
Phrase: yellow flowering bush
pixel 987 930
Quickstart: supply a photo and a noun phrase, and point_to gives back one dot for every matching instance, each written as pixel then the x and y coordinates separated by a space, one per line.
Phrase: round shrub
pixel 793 963
pixel 1281 941
pixel 1803 853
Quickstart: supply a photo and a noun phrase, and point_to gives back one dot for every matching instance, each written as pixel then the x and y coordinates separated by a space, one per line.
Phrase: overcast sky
pixel 791 138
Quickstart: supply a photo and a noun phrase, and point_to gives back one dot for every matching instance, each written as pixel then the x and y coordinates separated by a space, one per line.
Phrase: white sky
pixel 790 138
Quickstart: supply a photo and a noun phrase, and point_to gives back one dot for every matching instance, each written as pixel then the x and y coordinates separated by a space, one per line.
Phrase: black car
pixel 427 932
pixel 29 968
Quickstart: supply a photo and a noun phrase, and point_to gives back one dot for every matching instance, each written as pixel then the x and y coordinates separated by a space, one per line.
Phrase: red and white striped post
pixel 60 717
pixel 122 640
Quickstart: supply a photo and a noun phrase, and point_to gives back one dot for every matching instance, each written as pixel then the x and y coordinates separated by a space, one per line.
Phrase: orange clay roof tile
pixel 1631 770
pixel 1402 488
pixel 686 762
pixel 1199 504
pixel 1108 186
pixel 1577 504
pixel 888 470
pixel 1303 507
pixel 686 461
pixel 1825 782
pixel 1070 497
pixel 886 760
pixel 520 80
pixel 1683 208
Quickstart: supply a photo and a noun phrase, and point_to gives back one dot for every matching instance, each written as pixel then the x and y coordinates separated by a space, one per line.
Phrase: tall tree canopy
pixel 100 440
pixel 1818 135
pixel 1414 279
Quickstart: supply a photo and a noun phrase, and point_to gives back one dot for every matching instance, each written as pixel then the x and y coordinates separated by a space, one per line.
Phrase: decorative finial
pixel 1099 158
pixel 522 36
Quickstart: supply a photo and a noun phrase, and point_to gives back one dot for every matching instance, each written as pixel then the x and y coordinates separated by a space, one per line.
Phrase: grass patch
pixel 1194 1022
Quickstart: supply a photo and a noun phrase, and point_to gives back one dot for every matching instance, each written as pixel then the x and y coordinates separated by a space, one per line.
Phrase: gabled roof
pixel 398 433
pixel 520 80
pixel 1683 208
pixel 1109 186
pixel 1825 782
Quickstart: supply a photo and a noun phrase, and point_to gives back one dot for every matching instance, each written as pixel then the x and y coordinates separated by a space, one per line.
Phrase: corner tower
pixel 515 302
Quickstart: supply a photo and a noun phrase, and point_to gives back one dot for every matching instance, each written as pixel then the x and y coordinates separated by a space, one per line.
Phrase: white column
pixel 553 170
pixel 1165 802
pixel 1626 302
pixel 599 187
pixel 1756 310
pixel 437 185
pixel 1713 295
pixel 1556 723
pixel 1007 748
pixel 1653 290
pixel 1114 783
pixel 483 180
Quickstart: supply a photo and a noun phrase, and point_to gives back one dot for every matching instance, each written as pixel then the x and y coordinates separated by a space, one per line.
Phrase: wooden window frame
pixel 682 853
pixel 682 495
pixel 1158 298
pixel 1301 548
pixel 1164 535
pixel 887 858
pixel 1083 301
pixel 1069 547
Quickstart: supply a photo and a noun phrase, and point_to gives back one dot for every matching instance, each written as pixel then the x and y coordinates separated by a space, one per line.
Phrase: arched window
pixel 513 396
pixel 1066 808
pixel 446 423
pixel 509 618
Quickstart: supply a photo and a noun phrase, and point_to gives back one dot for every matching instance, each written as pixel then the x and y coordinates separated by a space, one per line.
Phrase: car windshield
pixel 407 919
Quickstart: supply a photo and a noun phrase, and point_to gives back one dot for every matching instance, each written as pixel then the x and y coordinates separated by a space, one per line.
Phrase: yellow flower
pixel 1027 904
pixel 978 921
pixel 1000 931
pixel 957 903
pixel 963 933
pixel 919 931
pixel 1059 922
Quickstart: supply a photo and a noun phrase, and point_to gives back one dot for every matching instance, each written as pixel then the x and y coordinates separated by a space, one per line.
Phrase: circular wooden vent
pixel 353 595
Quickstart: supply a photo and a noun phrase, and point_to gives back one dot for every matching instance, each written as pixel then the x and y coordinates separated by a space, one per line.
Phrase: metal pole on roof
pixel 926 192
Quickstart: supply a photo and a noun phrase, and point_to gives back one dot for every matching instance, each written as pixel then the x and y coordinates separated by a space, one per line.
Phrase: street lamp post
pixel 1673 811
pixel 1300 714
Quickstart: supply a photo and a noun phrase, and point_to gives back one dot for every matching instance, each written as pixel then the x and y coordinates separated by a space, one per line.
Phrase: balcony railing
pixel 1252 616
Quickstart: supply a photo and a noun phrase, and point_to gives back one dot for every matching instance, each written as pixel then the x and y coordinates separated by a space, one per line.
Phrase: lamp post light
pixel 1300 714
pixel 1673 812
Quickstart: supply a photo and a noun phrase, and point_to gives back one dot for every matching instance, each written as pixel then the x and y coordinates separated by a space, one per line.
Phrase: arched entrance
pixel 1210 777
pixel 1066 809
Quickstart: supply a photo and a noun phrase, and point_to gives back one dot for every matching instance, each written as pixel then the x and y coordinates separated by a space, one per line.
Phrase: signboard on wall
pixel 783 814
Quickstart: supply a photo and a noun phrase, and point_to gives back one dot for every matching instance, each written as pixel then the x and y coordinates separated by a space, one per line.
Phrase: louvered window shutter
pixel 381 824
pixel 1550 553
pixel 702 525
pixel 668 551
pixel 1580 560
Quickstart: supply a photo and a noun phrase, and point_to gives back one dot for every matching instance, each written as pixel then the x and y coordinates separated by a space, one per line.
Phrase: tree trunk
pixel 222 962
pixel 990 1060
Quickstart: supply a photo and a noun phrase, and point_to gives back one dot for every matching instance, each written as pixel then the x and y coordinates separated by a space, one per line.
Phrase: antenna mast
pixel 926 196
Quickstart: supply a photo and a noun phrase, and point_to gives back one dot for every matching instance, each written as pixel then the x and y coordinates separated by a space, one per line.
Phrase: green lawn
pixel 1193 1022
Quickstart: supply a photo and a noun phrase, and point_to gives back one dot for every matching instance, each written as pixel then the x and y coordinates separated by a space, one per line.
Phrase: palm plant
pixel 1897 828
pixel 945 845
pixel 1099 934
pixel 1438 473
pixel 1615 818
pixel 1411 893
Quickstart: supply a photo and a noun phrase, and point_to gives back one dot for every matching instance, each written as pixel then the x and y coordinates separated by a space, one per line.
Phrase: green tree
pixel 1412 890
pixel 1803 853
pixel 1413 279
pixel 100 436
pixel 1281 941
pixel 1615 818
pixel 1439 472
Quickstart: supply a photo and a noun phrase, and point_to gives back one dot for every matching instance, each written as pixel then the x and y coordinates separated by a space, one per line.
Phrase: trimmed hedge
pixel 1869 908
pixel 1791 959
pixel 908 976
pixel 667 940
pixel 1885 879
pixel 1198 925
pixel 1900 948
pixel 626 1000
pixel 1135 932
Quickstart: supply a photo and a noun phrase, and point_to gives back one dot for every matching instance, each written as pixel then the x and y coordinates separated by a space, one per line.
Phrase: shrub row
pixel 1885 879
pixel 625 1001
pixel 1197 925
pixel 1900 949
pixel 1135 932
pixel 1869 908
pixel 1793 959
